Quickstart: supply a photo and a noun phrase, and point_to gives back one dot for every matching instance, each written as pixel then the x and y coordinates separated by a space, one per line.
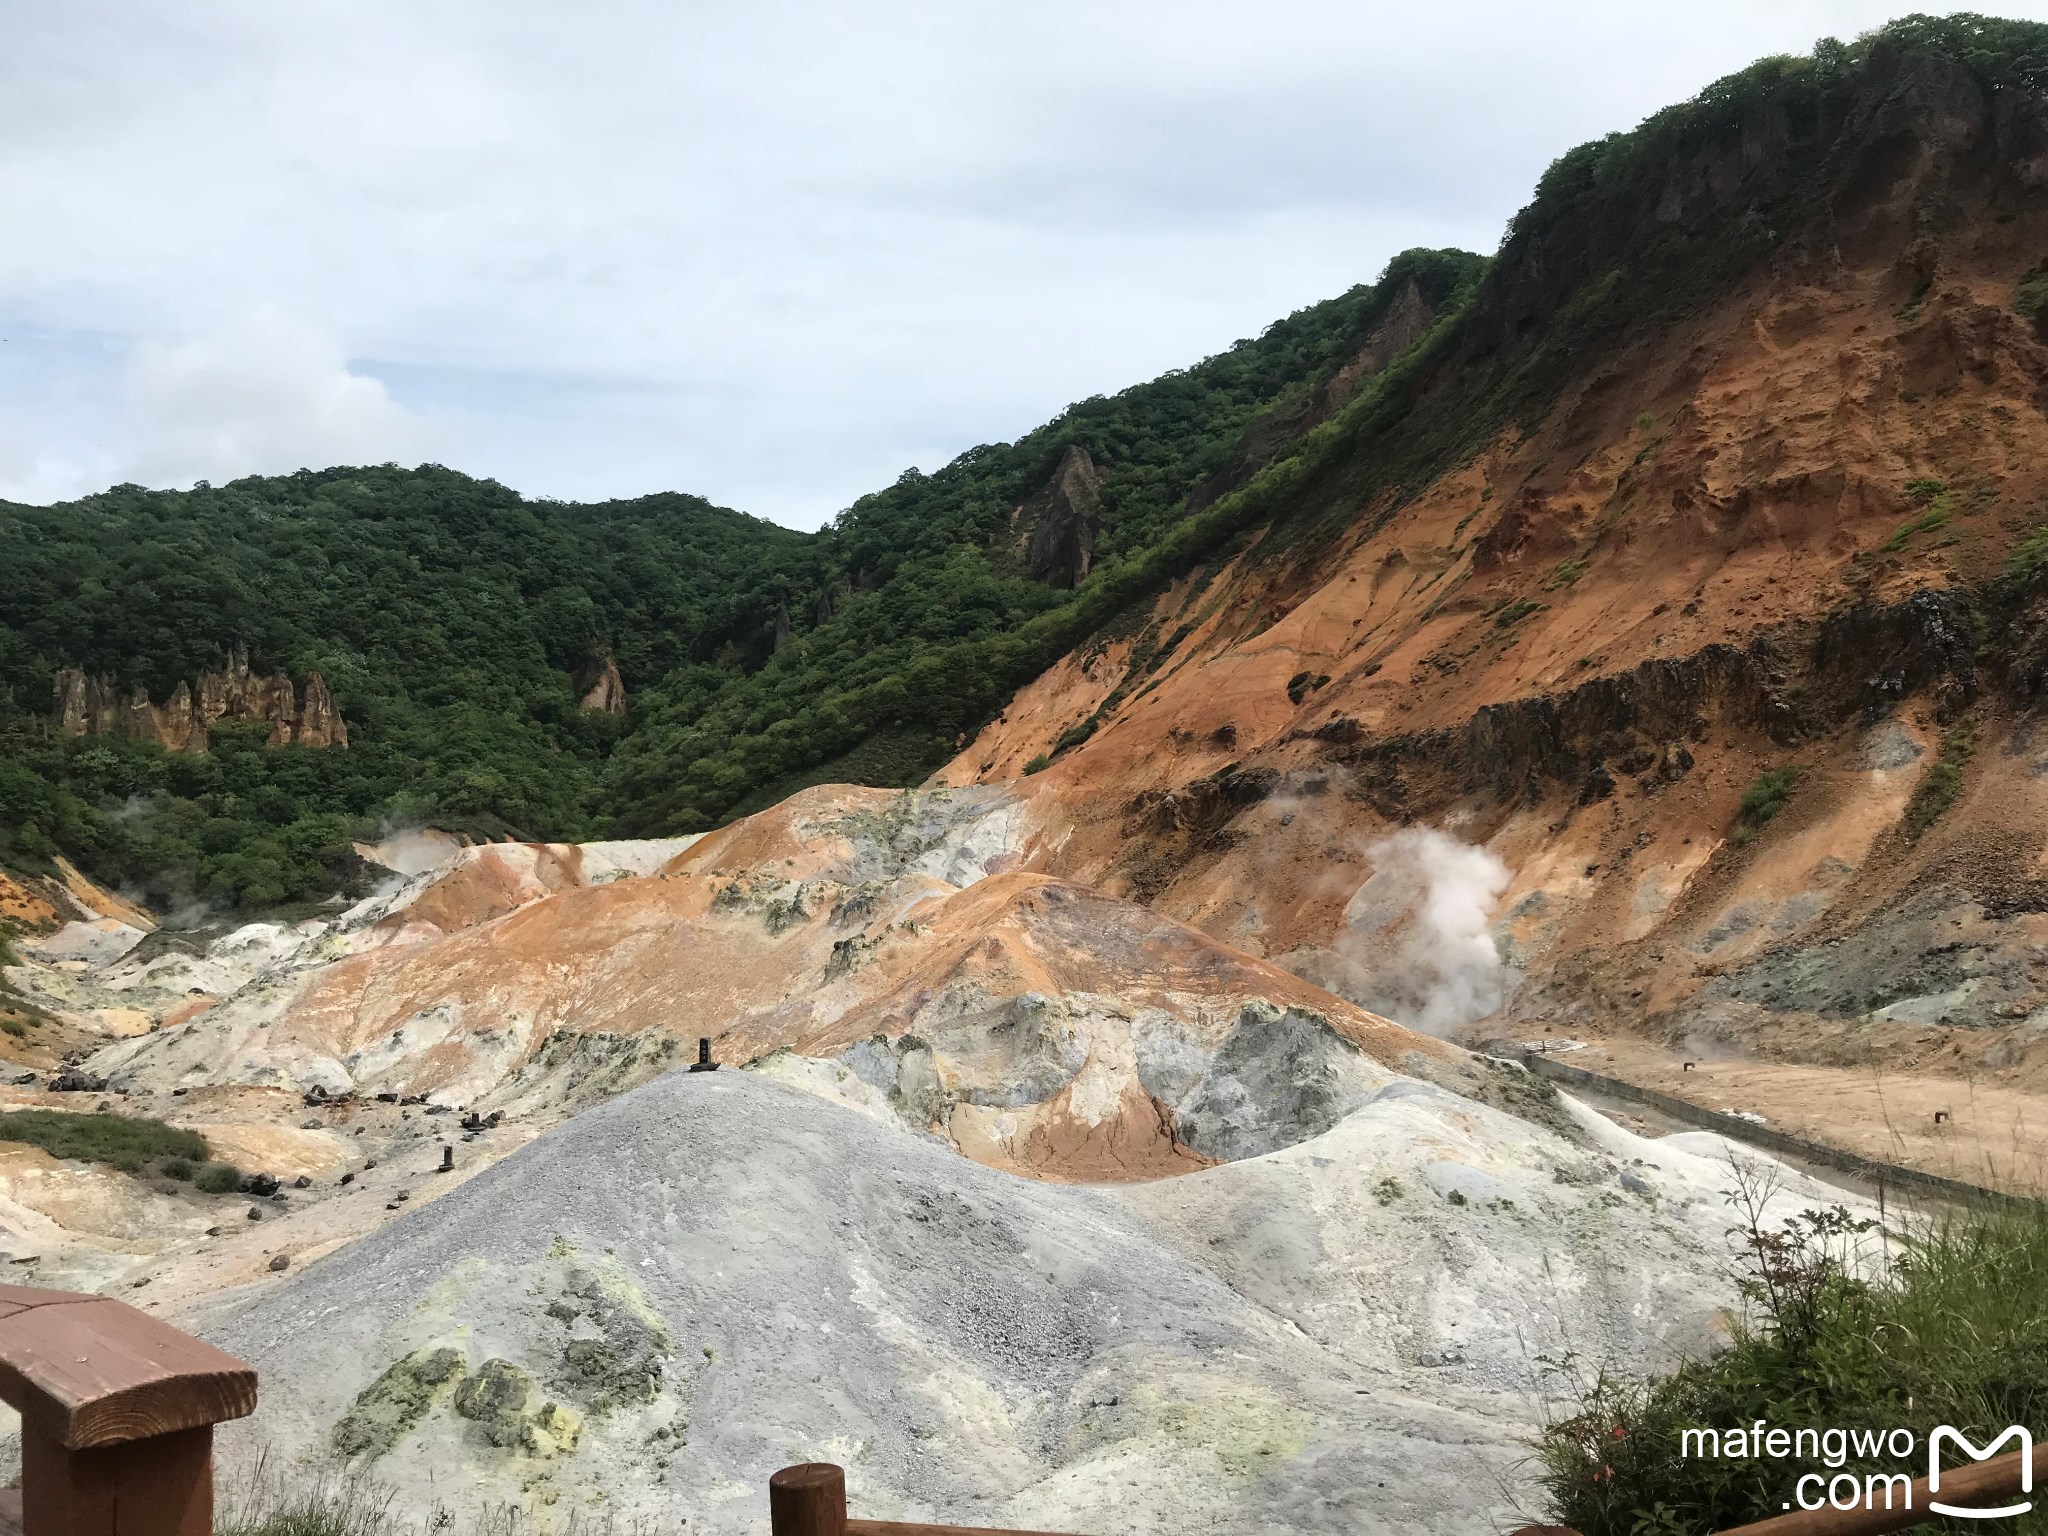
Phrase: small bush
pixel 1515 612
pixel 1074 735
pixel 218 1179
pixel 1567 572
pixel 176 1168
pixel 15 1026
pixel 1038 764
pixel 1764 798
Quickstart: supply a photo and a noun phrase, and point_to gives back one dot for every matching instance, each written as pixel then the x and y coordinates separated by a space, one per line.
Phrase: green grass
pixel 1764 798
pixel 1517 611
pixel 1567 572
pixel 1938 788
pixel 1937 504
pixel 2029 557
pixel 1951 1328
pixel 129 1143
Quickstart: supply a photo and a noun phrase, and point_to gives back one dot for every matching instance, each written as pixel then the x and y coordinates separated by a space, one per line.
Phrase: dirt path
pixel 1993 1135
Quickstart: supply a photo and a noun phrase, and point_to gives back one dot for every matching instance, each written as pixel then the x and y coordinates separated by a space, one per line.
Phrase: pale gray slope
pixel 716 1275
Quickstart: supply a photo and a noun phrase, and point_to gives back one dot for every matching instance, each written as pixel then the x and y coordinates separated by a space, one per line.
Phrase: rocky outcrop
pixel 1405 323
pixel 1055 529
pixel 599 688
pixel 85 705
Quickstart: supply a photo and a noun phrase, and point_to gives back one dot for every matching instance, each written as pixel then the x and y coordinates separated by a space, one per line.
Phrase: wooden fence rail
pixel 117 1414
pixel 810 1500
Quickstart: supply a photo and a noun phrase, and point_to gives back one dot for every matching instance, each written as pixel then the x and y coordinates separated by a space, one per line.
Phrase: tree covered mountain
pixel 451 617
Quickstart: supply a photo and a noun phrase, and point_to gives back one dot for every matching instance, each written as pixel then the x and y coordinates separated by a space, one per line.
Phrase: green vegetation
pixel 1937 504
pixel 1038 764
pixel 127 1142
pixel 2030 299
pixel 217 1179
pixel 2029 558
pixel 1567 572
pixel 1949 1330
pixel 1939 786
pixel 450 617
pixel 1515 612
pixel 1764 798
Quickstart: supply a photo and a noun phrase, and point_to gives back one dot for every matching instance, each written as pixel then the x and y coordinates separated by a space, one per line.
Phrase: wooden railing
pixel 810 1500
pixel 117 1414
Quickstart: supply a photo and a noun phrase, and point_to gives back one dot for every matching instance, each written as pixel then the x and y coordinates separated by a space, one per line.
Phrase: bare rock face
pixel 1055 529
pixel 599 688
pixel 85 705
pixel 320 722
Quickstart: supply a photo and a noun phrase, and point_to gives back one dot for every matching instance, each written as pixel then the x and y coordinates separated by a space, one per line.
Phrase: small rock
pixel 254 1214
pixel 302 1182
pixel 439 1109
pixel 26 1080
pixel 369 1162
pixel 213 1231
pixel 392 1206
pixel 279 1263
pixel 387 1098
pixel 260 1184
pixel 311 1125
pixel 348 1178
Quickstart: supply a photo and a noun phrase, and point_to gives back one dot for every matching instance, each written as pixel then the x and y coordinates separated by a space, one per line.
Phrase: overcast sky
pixel 772 253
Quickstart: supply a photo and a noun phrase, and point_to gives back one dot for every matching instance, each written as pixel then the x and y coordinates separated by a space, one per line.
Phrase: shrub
pixel 176 1168
pixel 1515 612
pixel 1949 1330
pixel 1038 764
pixel 1764 798
pixel 218 1179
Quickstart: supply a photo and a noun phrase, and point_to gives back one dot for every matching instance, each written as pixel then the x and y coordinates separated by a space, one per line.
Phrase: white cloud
pixel 265 394
pixel 766 250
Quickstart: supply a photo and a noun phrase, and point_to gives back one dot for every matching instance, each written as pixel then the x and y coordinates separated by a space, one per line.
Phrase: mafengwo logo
pixel 1943 1434
pixel 1840 1489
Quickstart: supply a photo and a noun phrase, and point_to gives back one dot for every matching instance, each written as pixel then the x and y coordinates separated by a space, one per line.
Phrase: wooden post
pixel 117 1414
pixel 805 1500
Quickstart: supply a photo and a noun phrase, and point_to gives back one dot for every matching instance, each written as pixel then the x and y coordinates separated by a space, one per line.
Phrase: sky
pixel 770 253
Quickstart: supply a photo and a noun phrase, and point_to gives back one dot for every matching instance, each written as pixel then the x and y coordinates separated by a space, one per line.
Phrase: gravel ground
pixel 658 1303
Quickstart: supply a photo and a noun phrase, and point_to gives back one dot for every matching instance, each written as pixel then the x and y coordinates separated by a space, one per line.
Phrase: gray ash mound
pixel 652 1307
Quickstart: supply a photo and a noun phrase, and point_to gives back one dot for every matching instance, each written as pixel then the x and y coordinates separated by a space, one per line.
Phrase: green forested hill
pixel 449 614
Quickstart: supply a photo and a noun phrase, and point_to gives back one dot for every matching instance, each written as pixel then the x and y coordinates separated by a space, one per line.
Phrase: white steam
pixel 1417 944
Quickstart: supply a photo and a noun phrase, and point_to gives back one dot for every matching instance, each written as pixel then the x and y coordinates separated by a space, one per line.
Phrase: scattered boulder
pixel 279 1263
